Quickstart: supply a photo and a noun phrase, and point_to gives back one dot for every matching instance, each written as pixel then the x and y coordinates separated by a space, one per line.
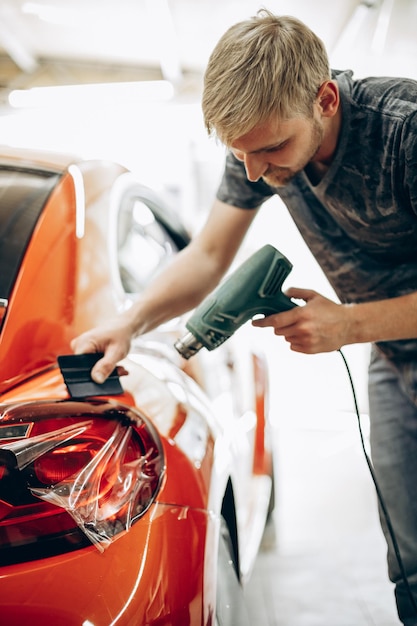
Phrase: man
pixel 342 155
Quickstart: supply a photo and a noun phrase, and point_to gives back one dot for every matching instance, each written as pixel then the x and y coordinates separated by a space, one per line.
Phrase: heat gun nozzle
pixel 188 345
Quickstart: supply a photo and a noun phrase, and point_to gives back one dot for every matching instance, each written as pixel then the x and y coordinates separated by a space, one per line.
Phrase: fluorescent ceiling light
pixel 67 16
pixel 84 96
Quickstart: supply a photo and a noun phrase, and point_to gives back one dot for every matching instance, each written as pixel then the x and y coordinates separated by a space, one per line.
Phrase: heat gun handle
pixel 254 288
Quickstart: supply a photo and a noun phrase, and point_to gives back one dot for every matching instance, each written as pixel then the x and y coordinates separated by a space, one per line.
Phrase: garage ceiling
pixel 47 42
pixel 139 31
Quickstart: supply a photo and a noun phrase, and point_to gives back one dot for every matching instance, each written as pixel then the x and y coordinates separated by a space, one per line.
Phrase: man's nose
pixel 255 165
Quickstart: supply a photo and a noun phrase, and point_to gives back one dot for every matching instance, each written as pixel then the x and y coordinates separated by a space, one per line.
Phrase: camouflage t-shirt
pixel 360 221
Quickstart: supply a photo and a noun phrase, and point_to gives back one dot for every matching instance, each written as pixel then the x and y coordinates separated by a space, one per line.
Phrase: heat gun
pixel 253 288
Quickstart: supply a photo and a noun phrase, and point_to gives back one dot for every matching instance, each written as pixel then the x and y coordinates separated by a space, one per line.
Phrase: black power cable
pixel 379 494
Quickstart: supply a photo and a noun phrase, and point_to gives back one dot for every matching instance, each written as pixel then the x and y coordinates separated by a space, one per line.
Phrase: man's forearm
pixel 384 320
pixel 178 289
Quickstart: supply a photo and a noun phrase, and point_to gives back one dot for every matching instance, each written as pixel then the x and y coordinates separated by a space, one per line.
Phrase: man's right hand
pixel 113 339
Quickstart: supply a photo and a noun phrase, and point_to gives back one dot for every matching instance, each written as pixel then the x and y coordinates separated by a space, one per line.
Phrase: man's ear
pixel 328 98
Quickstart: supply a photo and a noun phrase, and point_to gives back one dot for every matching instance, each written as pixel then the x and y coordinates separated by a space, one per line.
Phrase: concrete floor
pixel 327 567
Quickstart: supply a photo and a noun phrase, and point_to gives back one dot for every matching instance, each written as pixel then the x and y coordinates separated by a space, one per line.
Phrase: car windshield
pixel 23 193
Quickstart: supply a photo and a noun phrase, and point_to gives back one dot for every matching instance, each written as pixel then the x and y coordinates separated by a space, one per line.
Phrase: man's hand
pixel 321 325
pixel 113 340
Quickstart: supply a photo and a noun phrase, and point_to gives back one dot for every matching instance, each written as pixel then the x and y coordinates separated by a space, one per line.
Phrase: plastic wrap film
pixel 109 491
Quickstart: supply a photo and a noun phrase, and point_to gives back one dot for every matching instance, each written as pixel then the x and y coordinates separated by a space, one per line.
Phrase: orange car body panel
pixel 45 287
pixel 153 575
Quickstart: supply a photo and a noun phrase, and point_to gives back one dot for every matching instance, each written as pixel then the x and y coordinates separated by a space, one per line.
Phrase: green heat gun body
pixel 254 288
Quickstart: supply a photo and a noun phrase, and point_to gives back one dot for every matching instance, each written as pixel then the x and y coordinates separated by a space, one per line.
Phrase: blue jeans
pixel 393 417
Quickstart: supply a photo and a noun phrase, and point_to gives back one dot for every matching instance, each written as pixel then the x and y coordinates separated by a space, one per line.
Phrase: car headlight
pixel 98 463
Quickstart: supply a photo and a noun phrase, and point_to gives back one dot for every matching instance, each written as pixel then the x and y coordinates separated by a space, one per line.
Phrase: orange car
pixel 139 505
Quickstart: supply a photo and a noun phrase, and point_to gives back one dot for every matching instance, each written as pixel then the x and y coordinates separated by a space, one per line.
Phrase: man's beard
pixel 280 176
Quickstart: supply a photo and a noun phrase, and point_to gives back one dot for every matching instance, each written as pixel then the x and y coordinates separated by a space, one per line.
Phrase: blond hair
pixel 264 66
